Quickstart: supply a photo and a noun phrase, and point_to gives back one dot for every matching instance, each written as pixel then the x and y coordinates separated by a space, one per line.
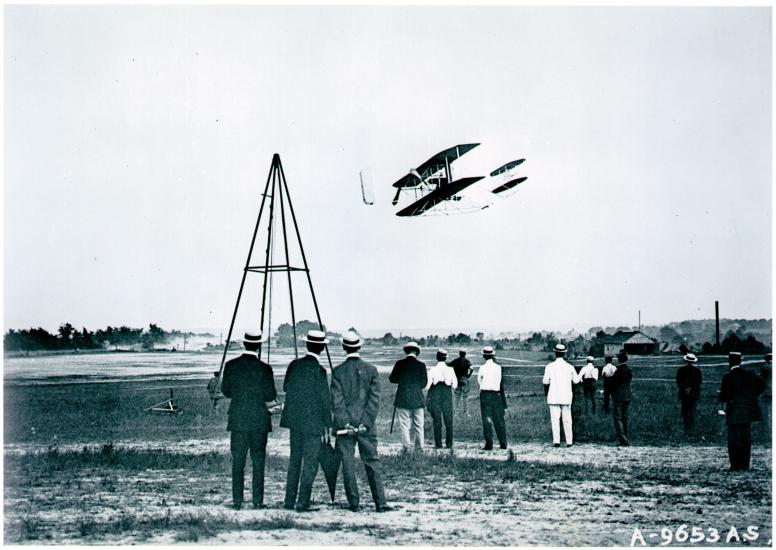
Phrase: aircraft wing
pixel 436 196
pixel 508 166
pixel 435 164
pixel 508 185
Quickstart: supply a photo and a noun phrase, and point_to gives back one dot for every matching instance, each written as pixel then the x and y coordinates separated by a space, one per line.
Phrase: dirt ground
pixel 532 494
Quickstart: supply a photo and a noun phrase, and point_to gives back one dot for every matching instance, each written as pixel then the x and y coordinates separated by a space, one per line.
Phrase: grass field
pixel 165 479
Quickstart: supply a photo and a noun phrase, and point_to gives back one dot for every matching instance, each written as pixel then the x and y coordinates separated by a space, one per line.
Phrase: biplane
pixel 434 190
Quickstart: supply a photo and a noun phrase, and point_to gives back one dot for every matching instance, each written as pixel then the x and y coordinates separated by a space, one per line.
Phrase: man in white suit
pixel 558 379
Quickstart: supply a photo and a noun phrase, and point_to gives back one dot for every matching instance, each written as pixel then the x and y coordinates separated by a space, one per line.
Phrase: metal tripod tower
pixel 274 198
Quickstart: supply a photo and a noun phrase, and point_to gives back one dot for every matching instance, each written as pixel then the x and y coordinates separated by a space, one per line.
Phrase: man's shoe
pixel 384 508
pixel 569 445
pixel 307 509
pixel 487 448
pixel 556 444
pixel 503 446
pixel 237 505
pixel 354 507
pixel 288 506
pixel 259 506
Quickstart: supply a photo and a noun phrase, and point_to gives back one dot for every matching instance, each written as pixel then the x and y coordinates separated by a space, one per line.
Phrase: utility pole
pixel 716 314
pixel 639 320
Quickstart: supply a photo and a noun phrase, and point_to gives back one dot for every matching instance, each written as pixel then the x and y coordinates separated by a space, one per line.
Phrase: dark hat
pixel 622 357
pixel 351 340
pixel 768 357
pixel 217 373
pixel 608 358
pixel 316 337
pixel 461 352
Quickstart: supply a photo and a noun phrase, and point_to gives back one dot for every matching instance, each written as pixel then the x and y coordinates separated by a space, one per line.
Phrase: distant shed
pixel 634 342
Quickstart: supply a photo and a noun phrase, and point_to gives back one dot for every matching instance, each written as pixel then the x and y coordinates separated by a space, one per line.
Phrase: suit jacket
pixel 249 383
pixel 739 391
pixel 410 374
pixel 688 381
pixel 307 408
pixel 355 393
pixel 620 389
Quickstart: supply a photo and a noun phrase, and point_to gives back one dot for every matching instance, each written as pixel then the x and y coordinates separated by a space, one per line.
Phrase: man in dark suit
pixel 463 372
pixel 410 374
pixel 688 381
pixel 355 395
pixel 620 388
pixel 739 391
pixel 765 398
pixel 307 413
pixel 251 386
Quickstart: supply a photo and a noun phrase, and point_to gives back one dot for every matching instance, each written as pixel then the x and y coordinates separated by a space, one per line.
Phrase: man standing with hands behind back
pixel 251 386
pixel 307 413
pixel 411 376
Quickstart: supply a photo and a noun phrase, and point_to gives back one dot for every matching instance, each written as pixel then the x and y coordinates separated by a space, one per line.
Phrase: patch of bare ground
pixel 532 495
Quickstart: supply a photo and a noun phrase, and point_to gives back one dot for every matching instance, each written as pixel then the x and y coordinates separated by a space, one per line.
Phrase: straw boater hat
pixel 411 345
pixel 590 358
pixel 690 358
pixel 253 338
pixel 351 340
pixel 442 352
pixel 316 337
pixel 487 350
pixel 560 348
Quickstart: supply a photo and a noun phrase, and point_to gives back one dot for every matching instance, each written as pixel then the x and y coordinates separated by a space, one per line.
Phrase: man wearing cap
pixel 463 372
pixel 492 402
pixel 307 413
pixel 410 375
pixel 250 384
pixel 589 375
pixel 739 391
pixel 621 398
pixel 214 391
pixel 355 395
pixel 606 373
pixel 441 383
pixel 558 379
pixel 688 381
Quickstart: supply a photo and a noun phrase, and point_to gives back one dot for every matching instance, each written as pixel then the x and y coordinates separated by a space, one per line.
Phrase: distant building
pixel 634 342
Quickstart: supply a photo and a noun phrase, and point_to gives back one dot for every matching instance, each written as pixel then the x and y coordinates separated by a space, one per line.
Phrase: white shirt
pixel 560 375
pixel 354 354
pixel 589 371
pixel 489 376
pixel 608 370
pixel 441 373
pixel 249 352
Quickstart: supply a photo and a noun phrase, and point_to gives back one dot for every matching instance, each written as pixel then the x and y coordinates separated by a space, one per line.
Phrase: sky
pixel 138 141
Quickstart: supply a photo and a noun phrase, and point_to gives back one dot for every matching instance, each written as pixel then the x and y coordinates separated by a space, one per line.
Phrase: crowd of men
pixel 314 411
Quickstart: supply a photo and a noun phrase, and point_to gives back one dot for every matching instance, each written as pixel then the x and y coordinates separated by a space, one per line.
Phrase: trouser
pixel 367 450
pixel 556 412
pixel 492 412
pixel 440 405
pixel 620 417
pixel 462 396
pixel 588 386
pixel 765 407
pixel 411 427
pixel 689 407
pixel 241 443
pixel 302 468
pixel 740 445
pixel 607 395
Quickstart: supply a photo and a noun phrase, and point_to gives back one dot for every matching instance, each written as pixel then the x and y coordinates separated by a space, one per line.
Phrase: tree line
pixel 68 337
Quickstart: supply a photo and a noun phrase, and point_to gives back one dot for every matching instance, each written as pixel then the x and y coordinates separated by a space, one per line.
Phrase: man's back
pixel 688 381
pixel 620 383
pixel 410 374
pixel 249 383
pixel 308 402
pixel 462 367
pixel 355 389
pixel 559 376
pixel 740 390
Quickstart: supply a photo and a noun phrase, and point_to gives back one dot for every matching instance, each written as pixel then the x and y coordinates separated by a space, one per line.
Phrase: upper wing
pixel 437 195
pixel 434 164
pixel 509 185
pixel 508 166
